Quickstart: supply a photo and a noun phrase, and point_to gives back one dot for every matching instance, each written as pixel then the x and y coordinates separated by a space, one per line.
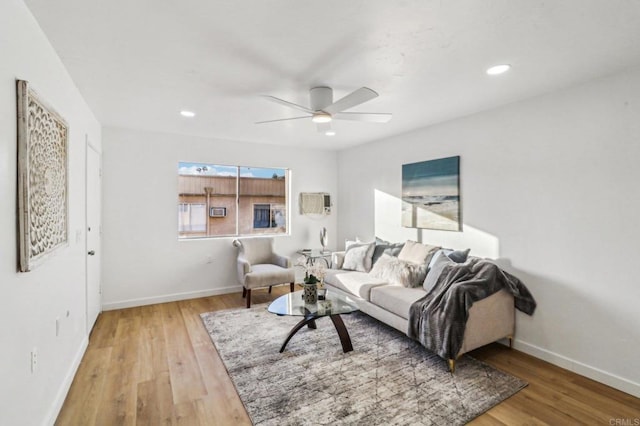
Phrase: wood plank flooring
pixel 155 365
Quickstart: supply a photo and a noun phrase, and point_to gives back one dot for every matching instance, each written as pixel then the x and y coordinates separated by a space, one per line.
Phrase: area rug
pixel 387 379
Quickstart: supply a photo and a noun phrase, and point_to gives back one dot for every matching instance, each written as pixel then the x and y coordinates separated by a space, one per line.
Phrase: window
pixel 262 215
pixel 192 218
pixel 269 216
pixel 215 200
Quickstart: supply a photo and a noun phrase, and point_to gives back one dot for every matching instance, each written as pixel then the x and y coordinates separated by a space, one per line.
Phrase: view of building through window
pixel 215 200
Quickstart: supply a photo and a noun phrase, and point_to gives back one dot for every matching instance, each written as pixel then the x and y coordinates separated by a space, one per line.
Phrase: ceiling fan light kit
pixel 323 109
pixel 321 117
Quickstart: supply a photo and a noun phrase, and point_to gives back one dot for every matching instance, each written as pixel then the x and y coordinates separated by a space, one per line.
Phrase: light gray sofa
pixel 490 319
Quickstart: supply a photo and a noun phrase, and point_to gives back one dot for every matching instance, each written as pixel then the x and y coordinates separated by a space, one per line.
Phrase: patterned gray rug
pixel 387 379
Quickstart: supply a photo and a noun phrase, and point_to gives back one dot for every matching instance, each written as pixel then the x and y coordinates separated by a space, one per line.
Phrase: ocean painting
pixel 431 194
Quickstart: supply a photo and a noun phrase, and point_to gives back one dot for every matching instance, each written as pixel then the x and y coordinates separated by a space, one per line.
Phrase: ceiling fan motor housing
pixel 321 97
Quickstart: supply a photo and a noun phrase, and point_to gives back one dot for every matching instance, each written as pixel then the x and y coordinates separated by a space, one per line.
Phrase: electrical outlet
pixel 34 360
pixel 209 259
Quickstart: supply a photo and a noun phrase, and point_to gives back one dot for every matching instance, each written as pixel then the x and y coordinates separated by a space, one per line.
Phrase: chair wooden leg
pixel 248 298
pixel 270 289
pixel 292 287
pixel 510 342
pixel 244 292
pixel 452 365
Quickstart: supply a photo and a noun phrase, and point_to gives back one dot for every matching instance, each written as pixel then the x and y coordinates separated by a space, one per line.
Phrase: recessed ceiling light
pixel 498 69
pixel 330 133
pixel 187 113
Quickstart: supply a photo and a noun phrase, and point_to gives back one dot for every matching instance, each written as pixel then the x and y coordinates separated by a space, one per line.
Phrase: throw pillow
pixel 416 252
pixel 439 262
pixel 357 256
pixel 392 249
pixel 458 256
pixel 399 272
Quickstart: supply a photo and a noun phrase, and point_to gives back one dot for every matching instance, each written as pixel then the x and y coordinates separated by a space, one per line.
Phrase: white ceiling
pixel 138 63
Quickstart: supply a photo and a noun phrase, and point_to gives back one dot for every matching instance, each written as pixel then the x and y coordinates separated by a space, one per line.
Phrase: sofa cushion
pixel 416 252
pixel 353 282
pixel 399 272
pixel 396 299
pixel 357 256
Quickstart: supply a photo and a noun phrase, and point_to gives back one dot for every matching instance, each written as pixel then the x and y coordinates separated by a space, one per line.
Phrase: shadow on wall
pixel 388 226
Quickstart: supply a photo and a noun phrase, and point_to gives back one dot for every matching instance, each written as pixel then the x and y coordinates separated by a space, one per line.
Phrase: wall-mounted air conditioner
pixel 218 212
pixel 315 203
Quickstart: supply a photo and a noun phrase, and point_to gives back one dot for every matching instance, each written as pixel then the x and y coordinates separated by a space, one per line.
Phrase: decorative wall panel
pixel 42 178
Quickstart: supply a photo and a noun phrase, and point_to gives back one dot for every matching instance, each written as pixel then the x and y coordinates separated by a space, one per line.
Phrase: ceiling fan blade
pixel 287 103
pixel 282 119
pixel 323 127
pixel 356 97
pixel 371 117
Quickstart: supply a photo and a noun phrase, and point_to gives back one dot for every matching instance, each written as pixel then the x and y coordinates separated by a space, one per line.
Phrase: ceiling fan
pixel 323 110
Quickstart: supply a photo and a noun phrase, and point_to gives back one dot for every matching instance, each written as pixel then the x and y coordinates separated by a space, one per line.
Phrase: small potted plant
pixel 313 276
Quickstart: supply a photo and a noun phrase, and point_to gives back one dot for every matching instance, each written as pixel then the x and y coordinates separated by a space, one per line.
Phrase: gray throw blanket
pixel 438 320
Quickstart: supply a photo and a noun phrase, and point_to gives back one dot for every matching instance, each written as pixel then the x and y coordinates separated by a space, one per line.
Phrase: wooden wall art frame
pixel 43 187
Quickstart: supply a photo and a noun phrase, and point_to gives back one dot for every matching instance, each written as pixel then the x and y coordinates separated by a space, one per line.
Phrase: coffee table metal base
pixel 310 321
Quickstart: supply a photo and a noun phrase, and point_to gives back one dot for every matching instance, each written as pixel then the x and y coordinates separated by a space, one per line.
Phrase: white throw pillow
pixel 399 272
pixel 416 252
pixel 357 256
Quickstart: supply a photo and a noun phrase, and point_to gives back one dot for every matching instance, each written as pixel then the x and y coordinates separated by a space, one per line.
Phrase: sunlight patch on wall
pixel 388 226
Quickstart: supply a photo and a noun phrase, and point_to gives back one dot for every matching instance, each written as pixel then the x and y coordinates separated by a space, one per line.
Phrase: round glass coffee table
pixel 334 304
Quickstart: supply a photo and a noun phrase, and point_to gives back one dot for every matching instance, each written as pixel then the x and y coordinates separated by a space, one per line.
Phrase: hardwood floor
pixel 156 365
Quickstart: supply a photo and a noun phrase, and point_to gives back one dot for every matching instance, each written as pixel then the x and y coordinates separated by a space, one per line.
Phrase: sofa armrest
pixel 281 261
pixel 244 267
pixel 337 259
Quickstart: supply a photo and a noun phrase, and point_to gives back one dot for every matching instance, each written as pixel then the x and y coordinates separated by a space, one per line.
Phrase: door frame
pixel 90 146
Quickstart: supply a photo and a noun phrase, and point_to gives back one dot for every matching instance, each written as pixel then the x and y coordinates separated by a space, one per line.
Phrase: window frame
pixel 285 205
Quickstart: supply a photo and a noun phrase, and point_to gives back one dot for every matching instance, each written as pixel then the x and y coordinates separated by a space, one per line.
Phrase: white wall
pixel 549 186
pixel 32 301
pixel 143 260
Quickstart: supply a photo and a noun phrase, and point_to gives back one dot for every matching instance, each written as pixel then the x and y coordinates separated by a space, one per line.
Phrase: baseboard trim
pixel 54 411
pixel 131 303
pixel 580 368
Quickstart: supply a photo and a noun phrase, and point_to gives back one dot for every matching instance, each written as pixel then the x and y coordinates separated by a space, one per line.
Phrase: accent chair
pixel 259 266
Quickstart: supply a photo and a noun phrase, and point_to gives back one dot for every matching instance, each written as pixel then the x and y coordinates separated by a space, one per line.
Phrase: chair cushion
pixel 352 282
pixel 396 299
pixel 266 274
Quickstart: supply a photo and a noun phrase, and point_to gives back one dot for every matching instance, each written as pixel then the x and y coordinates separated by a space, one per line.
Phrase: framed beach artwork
pixel 431 194
pixel 42 178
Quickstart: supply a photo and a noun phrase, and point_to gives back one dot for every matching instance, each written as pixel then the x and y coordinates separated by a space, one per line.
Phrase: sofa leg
pixel 244 292
pixel 270 289
pixel 292 287
pixel 452 365
pixel 510 342
pixel 248 298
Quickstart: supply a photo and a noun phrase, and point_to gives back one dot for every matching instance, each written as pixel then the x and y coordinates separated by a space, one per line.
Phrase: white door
pixel 93 208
